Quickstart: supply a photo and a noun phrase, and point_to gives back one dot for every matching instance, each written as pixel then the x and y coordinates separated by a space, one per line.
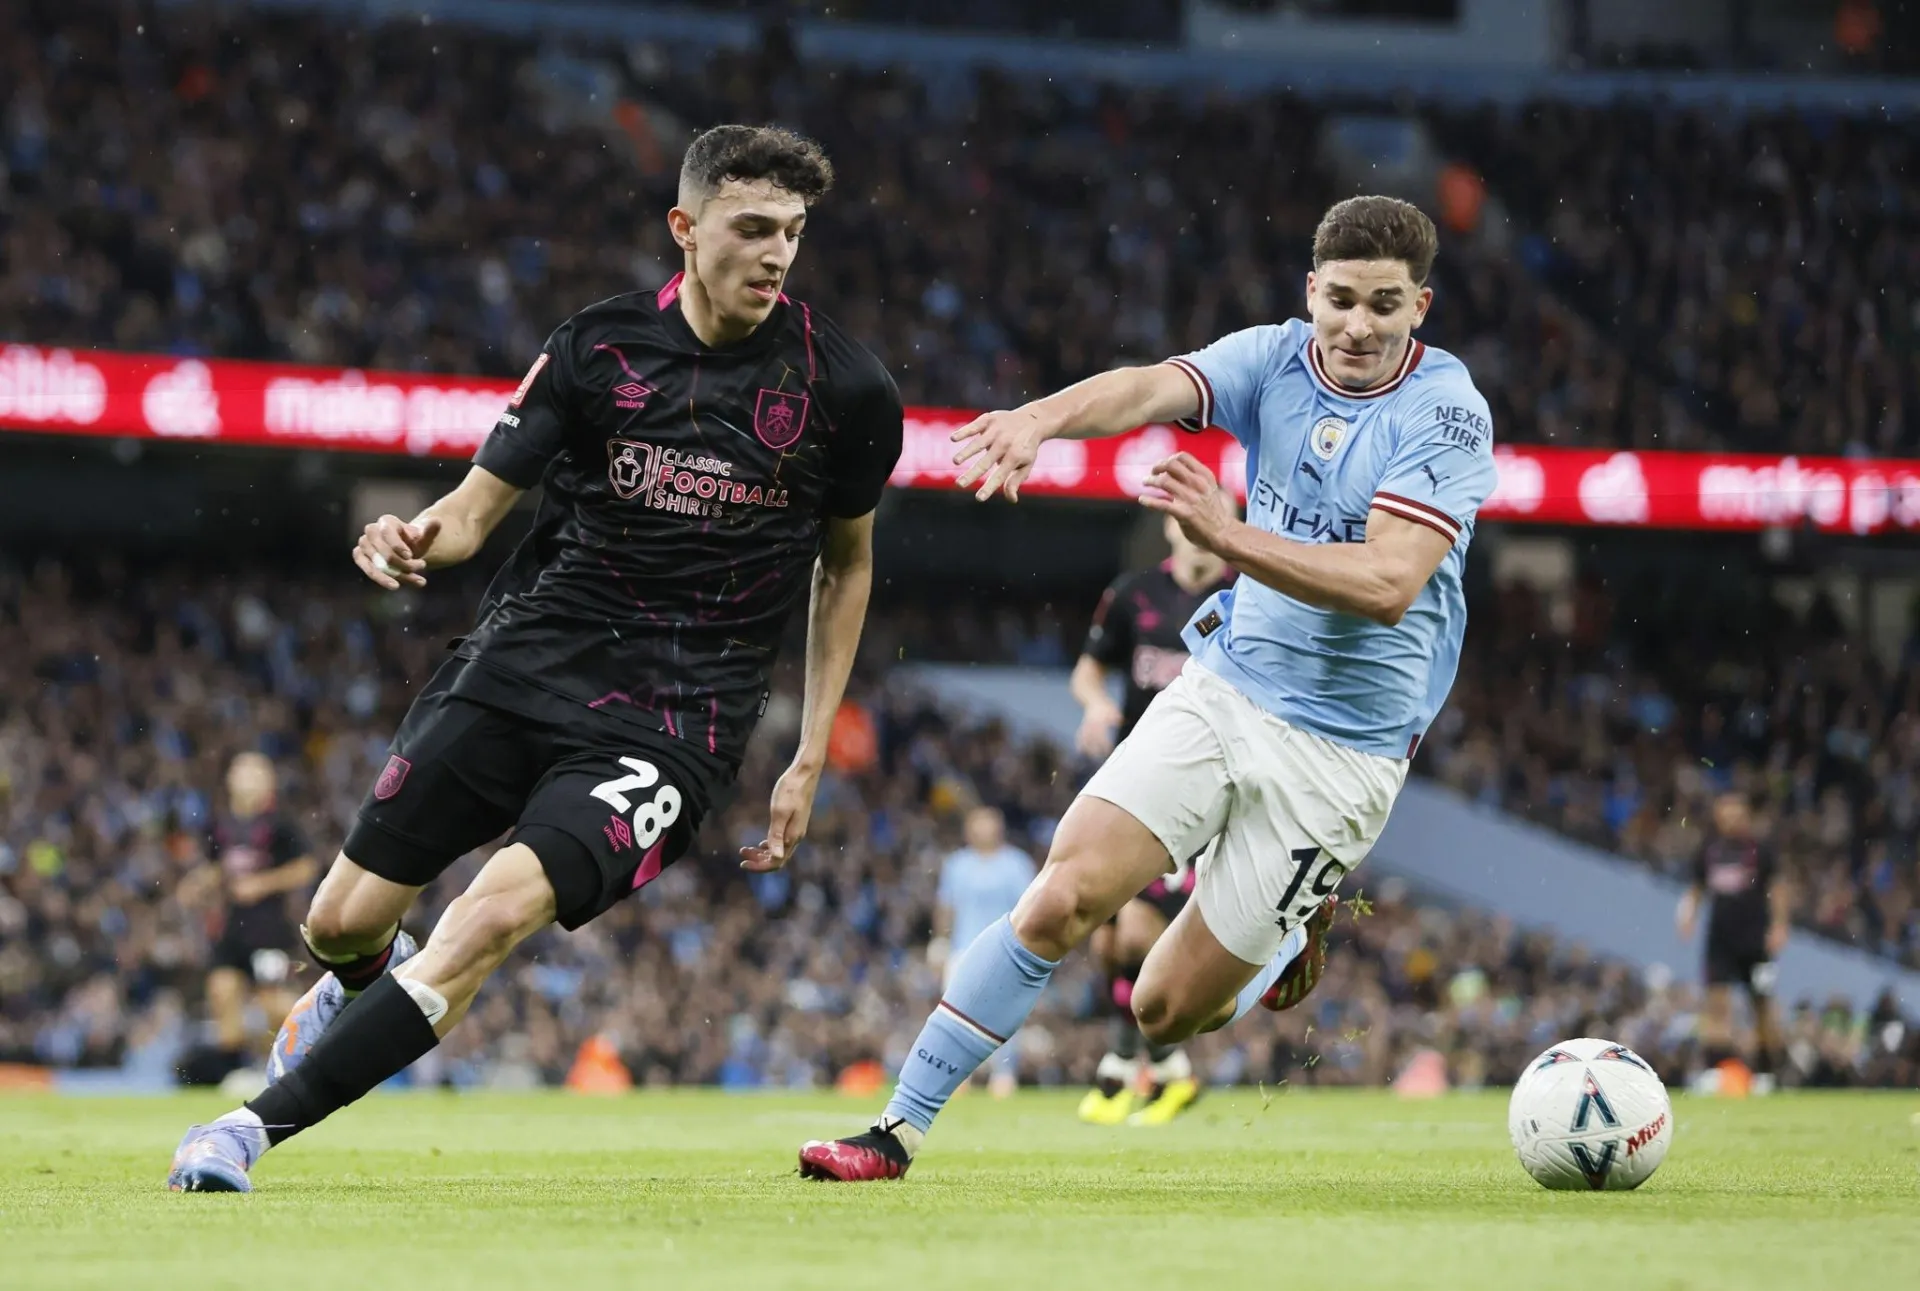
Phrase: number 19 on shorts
pixel 1315 876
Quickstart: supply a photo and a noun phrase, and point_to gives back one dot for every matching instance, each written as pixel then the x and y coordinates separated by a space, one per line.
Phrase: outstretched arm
pixel 998 448
pixel 392 551
pixel 842 582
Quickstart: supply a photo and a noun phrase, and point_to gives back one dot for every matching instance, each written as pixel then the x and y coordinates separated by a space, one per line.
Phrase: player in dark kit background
pixel 1136 634
pixel 258 858
pixel 711 456
pixel 1747 928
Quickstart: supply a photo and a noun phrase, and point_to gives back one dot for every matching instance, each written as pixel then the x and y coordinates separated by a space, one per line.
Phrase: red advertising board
pixel 88 392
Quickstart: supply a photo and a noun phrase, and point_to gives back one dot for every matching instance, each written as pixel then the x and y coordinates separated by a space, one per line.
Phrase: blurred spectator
pixel 1760 266
pixel 1623 743
pixel 129 697
pixel 430 197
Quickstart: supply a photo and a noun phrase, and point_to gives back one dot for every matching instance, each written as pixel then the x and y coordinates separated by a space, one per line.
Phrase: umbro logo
pixel 630 394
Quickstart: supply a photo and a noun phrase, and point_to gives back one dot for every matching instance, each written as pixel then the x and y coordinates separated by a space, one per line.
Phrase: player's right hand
pixel 1097 725
pixel 392 552
pixel 998 450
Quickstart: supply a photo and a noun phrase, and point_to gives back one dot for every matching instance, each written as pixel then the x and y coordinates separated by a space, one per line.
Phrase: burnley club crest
pixel 779 416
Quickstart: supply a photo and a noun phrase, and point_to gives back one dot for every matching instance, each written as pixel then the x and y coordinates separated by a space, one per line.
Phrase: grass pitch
pixel 1347 1190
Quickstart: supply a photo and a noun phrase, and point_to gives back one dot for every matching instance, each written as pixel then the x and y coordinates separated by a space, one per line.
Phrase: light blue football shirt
pixel 980 887
pixel 1319 457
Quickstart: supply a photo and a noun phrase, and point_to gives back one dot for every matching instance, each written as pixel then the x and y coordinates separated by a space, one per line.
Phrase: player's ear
pixel 680 224
pixel 1422 303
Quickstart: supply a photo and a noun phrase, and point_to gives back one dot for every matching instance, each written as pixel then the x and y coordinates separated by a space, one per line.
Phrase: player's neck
pixel 713 328
pixel 1197 575
pixel 1388 370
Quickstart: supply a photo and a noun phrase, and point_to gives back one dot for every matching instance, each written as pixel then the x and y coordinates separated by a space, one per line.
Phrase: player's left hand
pixel 791 809
pixel 1184 489
pixel 245 889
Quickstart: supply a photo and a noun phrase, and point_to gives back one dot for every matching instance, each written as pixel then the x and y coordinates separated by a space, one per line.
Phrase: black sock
pixel 361 971
pixel 377 1036
pixel 1159 1053
pixel 1124 1038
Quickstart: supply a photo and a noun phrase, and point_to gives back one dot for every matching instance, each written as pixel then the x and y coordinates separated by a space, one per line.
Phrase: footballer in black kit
pixel 1136 633
pixel 620 658
pixel 1747 926
pixel 259 857
pixel 711 455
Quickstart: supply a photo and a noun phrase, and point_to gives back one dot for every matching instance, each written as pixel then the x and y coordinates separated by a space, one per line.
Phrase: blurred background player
pixel 259 859
pixel 1136 634
pixel 979 884
pixel 1746 931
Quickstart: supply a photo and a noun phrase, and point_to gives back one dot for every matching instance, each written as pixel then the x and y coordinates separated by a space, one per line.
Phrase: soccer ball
pixel 1590 1114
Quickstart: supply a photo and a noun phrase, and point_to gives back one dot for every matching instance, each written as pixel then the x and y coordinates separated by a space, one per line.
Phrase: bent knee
pixel 331 930
pixel 1164 1019
pixel 1058 912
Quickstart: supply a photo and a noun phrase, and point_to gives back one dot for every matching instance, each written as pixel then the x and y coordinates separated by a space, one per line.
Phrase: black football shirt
pixel 1136 629
pixel 253 845
pixel 687 490
pixel 1736 873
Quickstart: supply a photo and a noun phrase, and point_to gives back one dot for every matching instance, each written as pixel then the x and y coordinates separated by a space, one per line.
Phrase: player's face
pixel 1732 816
pixel 249 784
pixel 742 242
pixel 986 830
pixel 1364 313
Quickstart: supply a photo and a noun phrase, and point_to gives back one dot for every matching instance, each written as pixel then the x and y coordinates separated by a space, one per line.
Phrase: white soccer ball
pixel 1590 1114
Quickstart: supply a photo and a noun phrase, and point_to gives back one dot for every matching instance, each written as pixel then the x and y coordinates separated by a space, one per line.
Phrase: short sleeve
pixel 866 447
pixel 533 426
pixel 949 880
pixel 1229 376
pixel 1110 635
pixel 1442 469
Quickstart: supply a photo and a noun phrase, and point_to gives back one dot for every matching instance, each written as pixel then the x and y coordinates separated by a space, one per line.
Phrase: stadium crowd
pixel 430 197
pixel 1621 740
pixel 1762 266
pixel 122 698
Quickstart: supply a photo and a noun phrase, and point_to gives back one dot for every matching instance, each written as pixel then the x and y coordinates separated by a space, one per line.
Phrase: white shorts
pixel 1284 814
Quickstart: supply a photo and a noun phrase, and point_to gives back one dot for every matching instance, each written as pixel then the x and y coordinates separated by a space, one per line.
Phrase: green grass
pixel 1303 1190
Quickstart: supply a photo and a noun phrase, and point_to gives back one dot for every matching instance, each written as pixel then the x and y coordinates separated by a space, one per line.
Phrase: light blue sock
pixel 993 988
pixel 1250 993
pixel 1006 1059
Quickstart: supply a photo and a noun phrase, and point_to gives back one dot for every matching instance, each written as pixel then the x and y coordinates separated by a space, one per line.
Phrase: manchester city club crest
pixel 1326 437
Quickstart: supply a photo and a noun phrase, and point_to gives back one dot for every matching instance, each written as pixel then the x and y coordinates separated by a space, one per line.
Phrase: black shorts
pixel 605 806
pixel 1735 964
pixel 1169 893
pixel 266 959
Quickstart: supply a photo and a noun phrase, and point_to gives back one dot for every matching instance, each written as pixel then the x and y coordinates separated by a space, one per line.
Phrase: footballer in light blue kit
pixel 1281 747
pixel 979 886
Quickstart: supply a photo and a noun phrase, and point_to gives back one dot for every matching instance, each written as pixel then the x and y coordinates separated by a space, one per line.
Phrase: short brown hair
pixel 1377 228
pixel 790 160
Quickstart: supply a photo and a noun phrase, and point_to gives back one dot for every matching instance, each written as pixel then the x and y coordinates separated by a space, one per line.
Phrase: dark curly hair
pixel 792 161
pixel 1378 228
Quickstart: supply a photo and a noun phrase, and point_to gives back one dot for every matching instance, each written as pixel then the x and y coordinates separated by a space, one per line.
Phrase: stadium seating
pixel 382 232
pixel 129 694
